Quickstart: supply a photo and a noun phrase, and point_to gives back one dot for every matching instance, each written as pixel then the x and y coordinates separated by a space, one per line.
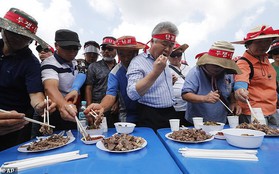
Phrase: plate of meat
pixel 269 131
pixel 47 143
pixel 189 136
pixel 121 143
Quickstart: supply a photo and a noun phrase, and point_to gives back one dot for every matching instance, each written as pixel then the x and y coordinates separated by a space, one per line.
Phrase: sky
pixel 200 22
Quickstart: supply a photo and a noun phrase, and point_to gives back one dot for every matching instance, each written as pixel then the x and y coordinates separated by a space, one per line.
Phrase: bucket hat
pixel 21 23
pixel 220 53
pixel 127 42
pixel 259 32
pixel 64 37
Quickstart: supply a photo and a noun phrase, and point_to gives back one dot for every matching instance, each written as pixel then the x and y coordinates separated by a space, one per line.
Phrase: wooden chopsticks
pixel 30 120
pixel 81 128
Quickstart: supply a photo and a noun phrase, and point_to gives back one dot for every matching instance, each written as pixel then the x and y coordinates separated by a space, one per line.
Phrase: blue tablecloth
pixel 268 155
pixel 154 158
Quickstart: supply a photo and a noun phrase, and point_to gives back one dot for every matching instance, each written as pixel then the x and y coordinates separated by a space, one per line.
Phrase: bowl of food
pixel 209 126
pixel 124 127
pixel 92 131
pixel 92 139
pixel 244 138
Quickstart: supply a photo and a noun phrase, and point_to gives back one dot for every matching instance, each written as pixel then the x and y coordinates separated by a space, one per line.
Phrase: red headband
pixel 165 36
pixel 275 44
pixel 263 31
pixel 127 41
pixel 20 20
pixel 220 53
pixel 108 41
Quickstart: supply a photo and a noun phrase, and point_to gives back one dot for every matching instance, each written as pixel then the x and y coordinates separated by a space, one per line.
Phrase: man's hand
pixel 212 97
pixel 241 95
pixel 10 122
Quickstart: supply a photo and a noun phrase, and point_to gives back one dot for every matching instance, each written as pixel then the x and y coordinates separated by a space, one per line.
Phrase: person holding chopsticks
pixel 208 86
pixel 21 89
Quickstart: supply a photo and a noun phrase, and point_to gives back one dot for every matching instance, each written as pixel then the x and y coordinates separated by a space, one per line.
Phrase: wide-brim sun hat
pixel 21 23
pixel 220 53
pixel 182 47
pixel 128 43
pixel 259 32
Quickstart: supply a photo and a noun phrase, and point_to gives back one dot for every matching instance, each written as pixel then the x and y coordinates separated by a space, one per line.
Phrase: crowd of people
pixel 147 88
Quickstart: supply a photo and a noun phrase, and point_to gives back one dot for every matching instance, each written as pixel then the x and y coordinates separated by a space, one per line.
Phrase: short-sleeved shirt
pixel 198 83
pixel 160 94
pixel 20 75
pixel 262 87
pixel 57 68
pixel 180 104
pixel 97 77
pixel 117 85
pixel 277 70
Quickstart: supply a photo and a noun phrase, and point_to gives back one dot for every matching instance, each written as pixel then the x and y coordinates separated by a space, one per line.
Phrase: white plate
pixel 214 133
pixel 24 149
pixel 93 141
pixel 100 145
pixel 167 136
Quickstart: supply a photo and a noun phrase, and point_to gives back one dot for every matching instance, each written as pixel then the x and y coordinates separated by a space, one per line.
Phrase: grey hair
pixel 165 26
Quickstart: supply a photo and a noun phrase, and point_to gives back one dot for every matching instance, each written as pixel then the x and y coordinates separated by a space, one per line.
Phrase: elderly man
pixel 127 48
pixel 150 80
pixel 21 89
pixel 58 74
pixel 97 78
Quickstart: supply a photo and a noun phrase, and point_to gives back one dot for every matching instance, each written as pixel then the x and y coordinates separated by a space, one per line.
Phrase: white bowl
pixel 209 128
pixel 94 131
pixel 95 137
pixel 237 138
pixel 124 127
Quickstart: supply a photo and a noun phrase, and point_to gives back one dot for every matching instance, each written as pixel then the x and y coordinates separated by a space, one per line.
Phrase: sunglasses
pixel 275 53
pixel 71 47
pixel 175 54
pixel 107 48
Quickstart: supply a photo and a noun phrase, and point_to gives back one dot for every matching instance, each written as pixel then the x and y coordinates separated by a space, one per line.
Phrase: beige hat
pixel 127 42
pixel 259 32
pixel 182 47
pixel 220 53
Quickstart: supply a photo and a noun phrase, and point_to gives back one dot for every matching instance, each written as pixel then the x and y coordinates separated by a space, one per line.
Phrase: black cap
pixel 66 37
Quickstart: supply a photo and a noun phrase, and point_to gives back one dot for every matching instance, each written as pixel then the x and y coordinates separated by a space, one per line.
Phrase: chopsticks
pixel 93 113
pixel 44 160
pixel 248 155
pixel 30 120
pixel 226 106
pixel 81 128
pixel 251 109
pixel 46 113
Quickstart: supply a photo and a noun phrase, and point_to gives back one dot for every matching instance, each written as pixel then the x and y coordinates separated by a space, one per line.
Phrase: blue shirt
pixel 160 94
pixel 20 75
pixel 117 84
pixel 198 83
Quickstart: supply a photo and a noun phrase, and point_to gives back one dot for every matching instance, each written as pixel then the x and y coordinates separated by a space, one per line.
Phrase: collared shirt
pixel 117 85
pixel 198 83
pixel 262 87
pixel 180 104
pixel 59 69
pixel 97 76
pixel 160 94
pixel 20 75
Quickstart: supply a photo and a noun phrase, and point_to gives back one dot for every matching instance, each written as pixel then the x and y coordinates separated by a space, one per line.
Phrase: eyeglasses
pixel 104 48
pixel 176 54
pixel 70 47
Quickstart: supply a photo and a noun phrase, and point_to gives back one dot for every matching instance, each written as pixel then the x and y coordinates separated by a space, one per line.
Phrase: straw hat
pixel 19 22
pixel 177 46
pixel 259 32
pixel 220 53
pixel 128 42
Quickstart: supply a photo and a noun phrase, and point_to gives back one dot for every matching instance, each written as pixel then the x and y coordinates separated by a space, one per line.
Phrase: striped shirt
pixel 56 68
pixel 160 94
